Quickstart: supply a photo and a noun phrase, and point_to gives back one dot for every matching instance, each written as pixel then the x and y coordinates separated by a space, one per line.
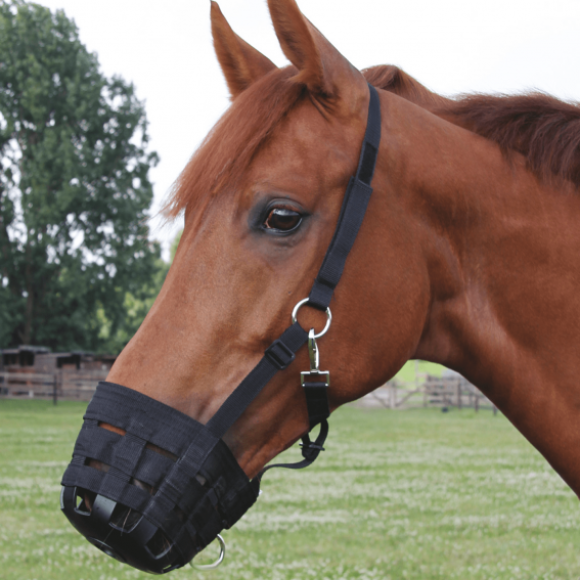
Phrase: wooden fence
pixel 429 391
pixel 63 384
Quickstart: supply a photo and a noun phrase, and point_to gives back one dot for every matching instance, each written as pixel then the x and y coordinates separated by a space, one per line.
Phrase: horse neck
pixel 499 249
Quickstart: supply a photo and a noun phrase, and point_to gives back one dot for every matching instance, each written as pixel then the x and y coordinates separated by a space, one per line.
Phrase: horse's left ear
pixel 241 63
pixel 325 71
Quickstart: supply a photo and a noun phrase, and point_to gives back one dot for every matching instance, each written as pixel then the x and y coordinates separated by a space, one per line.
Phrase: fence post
pixel 54 391
pixel 393 395
pixel 476 402
pixel 458 387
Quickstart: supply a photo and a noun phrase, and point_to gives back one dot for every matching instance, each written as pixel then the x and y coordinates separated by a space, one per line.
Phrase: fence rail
pixel 63 384
pixel 428 391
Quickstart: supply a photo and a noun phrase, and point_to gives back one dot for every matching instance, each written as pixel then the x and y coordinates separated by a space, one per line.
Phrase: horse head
pixel 261 199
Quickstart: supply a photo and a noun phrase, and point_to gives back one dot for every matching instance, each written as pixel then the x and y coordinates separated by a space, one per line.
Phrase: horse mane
pixel 545 130
pixel 395 80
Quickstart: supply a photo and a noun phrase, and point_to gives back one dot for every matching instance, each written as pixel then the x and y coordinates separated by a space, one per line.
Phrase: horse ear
pixel 324 71
pixel 241 64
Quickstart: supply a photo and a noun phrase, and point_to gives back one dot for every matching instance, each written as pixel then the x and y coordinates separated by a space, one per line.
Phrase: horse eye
pixel 282 220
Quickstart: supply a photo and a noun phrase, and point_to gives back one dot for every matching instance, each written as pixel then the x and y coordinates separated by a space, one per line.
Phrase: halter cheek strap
pixel 283 350
pixel 352 212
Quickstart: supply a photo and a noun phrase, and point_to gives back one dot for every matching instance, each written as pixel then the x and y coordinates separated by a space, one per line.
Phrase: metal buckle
pixel 306 375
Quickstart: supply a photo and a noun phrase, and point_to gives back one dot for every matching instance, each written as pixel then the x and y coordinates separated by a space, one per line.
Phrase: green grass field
pixel 412 368
pixel 412 494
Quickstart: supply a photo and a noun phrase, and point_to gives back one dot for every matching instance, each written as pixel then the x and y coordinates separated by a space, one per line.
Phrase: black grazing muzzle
pixel 162 492
pixel 157 495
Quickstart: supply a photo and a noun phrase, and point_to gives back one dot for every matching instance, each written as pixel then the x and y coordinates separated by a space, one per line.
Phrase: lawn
pixel 414 494
pixel 414 370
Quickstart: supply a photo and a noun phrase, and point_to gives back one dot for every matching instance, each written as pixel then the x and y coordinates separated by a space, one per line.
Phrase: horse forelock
pixel 232 144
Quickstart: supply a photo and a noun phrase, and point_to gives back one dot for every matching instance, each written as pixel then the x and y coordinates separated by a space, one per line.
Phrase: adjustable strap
pixel 316 402
pixel 276 358
pixel 310 451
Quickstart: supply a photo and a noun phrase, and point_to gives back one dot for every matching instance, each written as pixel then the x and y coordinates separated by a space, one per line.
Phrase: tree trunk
pixel 27 334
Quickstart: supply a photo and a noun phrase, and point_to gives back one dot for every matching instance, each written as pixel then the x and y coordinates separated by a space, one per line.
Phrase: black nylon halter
pixel 283 350
pixel 196 488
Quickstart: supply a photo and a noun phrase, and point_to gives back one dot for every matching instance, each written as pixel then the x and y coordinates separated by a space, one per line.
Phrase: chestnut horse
pixel 467 256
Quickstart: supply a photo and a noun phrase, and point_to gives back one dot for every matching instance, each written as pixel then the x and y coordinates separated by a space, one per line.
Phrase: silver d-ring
pixel 328 317
pixel 215 564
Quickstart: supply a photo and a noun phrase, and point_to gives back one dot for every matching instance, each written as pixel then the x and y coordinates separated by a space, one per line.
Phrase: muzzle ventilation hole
pixel 124 519
pixel 159 546
pixel 84 500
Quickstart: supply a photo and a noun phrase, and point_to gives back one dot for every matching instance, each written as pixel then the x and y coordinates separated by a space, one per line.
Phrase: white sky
pixel 451 46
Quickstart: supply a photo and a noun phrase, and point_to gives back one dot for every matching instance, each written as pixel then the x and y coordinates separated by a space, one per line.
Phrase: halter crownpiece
pixel 156 495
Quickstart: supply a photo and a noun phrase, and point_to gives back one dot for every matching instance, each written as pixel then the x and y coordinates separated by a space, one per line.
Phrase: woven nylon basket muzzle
pixel 162 492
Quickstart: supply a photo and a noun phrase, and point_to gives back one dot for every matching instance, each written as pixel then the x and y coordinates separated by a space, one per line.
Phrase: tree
pixel 136 305
pixel 74 190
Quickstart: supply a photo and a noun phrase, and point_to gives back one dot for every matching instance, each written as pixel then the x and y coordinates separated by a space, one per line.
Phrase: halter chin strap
pixel 283 350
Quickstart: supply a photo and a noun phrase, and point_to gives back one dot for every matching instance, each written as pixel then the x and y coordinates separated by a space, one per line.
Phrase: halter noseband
pixel 156 511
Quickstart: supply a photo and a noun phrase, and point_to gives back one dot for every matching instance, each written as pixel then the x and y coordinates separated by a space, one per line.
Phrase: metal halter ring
pixel 215 564
pixel 328 317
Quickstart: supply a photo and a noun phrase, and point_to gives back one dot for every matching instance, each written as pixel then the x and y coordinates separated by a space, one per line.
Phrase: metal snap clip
pixel 322 377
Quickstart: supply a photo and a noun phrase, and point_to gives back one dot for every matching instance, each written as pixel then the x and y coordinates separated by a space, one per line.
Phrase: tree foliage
pixel 74 188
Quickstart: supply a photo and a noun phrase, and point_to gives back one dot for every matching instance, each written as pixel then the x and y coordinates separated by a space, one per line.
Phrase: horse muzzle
pixel 165 489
